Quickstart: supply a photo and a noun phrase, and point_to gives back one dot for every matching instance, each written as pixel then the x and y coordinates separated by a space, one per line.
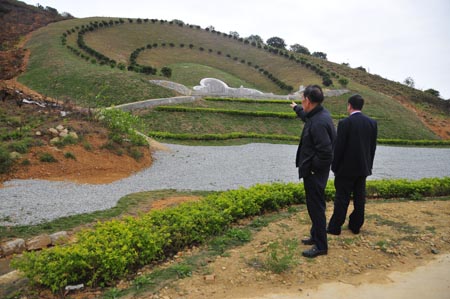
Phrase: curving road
pixel 24 202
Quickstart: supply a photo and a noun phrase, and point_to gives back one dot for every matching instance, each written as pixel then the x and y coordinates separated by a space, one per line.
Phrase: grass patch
pixel 399 226
pixel 47 158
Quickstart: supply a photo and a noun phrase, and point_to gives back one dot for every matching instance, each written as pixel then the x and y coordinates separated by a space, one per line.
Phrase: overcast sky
pixel 395 39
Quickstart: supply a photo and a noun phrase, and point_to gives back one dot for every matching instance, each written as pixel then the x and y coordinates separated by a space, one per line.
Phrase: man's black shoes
pixel 308 241
pixel 313 252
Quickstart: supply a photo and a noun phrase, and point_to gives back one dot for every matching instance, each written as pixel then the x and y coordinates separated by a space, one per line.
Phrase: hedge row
pixel 289 115
pixel 232 135
pixel 116 248
pixel 245 100
pixel 414 142
pixel 238 135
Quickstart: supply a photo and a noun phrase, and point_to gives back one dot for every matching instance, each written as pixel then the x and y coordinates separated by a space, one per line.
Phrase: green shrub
pixel 122 126
pixel 5 160
pixel 69 155
pixel 20 146
pixel 47 157
pixel 67 140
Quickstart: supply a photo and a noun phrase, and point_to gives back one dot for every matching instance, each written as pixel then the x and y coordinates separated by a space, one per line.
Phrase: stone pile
pixel 59 133
pixel 19 245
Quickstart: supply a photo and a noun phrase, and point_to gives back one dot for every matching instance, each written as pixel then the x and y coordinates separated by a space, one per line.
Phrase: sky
pixel 394 39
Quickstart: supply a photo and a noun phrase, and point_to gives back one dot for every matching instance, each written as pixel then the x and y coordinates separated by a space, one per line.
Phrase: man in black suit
pixel 352 163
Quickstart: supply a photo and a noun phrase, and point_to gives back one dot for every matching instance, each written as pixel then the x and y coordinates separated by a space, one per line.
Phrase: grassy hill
pixel 194 53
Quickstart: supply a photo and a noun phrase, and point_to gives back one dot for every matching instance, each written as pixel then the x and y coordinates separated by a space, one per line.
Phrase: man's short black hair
pixel 356 101
pixel 314 93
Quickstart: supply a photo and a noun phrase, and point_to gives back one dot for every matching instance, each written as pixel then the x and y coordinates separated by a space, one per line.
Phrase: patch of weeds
pixel 87 146
pixel 259 223
pixel 282 257
pixel 47 158
pixel 70 155
pixel 293 209
pixel 349 241
pixel 25 162
pixel 21 146
pixel 142 281
pixel 399 226
pixel 183 270
pixel 66 141
pixel 431 229
pixel 233 237
pixel 135 154
pixel 112 293
pixel 285 226
pixel 383 245
pixel 5 160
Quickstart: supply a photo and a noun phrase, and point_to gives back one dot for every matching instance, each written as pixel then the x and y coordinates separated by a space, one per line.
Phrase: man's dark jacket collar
pixel 313 112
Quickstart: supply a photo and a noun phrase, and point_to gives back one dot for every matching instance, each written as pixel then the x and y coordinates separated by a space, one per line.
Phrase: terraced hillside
pixel 99 62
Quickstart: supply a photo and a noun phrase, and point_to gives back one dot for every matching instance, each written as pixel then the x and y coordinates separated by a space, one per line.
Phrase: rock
pixel 38 133
pixel 60 128
pixel 434 251
pixel 59 238
pixel 53 131
pixel 14 246
pixel 38 242
pixel 209 278
pixel 63 134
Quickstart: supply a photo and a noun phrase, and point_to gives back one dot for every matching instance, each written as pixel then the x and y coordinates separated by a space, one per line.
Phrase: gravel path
pixel 24 202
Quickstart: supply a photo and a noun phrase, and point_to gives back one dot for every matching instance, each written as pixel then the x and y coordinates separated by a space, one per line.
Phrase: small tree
pixel 276 42
pixel 256 39
pixel 234 34
pixel 320 55
pixel 166 72
pixel 433 92
pixel 300 49
pixel 326 81
pixel 343 82
pixel 409 81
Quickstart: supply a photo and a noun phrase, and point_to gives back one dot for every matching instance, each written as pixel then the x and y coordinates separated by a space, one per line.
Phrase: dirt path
pixel 397 237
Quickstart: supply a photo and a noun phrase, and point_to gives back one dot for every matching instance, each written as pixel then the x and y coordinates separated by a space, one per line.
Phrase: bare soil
pixel 398 236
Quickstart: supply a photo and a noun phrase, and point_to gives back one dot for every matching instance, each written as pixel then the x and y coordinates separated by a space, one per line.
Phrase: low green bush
pixel 288 115
pixel 6 161
pixel 47 157
pixel 233 135
pixel 122 126
pixel 114 249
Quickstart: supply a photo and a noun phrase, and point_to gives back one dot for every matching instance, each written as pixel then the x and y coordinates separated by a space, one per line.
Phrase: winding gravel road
pixel 24 202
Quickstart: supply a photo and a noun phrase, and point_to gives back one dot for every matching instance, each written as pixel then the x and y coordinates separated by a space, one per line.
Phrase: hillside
pixel 21 148
pixel 99 62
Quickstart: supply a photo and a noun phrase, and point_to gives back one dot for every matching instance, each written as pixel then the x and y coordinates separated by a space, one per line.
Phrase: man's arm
pixel 299 110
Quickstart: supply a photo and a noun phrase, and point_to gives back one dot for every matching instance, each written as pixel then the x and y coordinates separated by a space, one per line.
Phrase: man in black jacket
pixel 353 160
pixel 314 156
